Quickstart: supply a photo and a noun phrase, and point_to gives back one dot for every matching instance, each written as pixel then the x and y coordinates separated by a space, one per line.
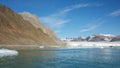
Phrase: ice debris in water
pixel 7 52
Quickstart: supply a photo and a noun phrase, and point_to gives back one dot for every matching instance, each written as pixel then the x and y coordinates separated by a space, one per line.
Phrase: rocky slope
pixel 99 37
pixel 78 39
pixel 34 20
pixel 96 38
pixel 116 39
pixel 16 30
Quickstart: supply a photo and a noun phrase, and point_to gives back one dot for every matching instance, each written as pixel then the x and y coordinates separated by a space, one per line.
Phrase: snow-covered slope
pixel 91 44
pixel 100 37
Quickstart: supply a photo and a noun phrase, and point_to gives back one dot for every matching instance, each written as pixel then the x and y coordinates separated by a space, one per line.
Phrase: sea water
pixel 64 58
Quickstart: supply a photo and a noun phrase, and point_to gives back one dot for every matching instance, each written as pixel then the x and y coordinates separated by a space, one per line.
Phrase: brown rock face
pixel 34 20
pixel 15 29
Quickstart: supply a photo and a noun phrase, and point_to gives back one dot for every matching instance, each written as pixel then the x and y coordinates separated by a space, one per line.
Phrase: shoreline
pixel 28 47
pixel 68 45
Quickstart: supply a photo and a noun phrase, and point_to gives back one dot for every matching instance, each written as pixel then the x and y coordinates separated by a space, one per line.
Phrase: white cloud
pixel 115 13
pixel 57 19
pixel 92 26
pixel 57 31
pixel 73 7
pixel 54 22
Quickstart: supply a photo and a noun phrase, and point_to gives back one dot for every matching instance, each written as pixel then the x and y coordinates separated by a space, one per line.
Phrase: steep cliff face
pixel 16 30
pixel 34 20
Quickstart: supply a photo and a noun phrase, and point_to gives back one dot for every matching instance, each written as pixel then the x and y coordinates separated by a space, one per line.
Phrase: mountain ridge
pixel 34 20
pixel 14 30
pixel 96 38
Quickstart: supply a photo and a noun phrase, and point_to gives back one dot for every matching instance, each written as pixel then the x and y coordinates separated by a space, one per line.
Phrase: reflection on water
pixel 64 58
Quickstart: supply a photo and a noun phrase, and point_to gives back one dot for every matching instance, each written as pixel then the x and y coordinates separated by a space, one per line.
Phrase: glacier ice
pixel 7 52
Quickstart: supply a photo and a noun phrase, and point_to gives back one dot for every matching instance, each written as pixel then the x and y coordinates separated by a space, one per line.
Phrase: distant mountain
pixel 96 38
pixel 24 30
pixel 116 39
pixel 78 39
pixel 100 37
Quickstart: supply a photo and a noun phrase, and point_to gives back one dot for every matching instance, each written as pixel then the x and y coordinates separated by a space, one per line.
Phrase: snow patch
pixel 7 52
pixel 41 46
pixel 92 44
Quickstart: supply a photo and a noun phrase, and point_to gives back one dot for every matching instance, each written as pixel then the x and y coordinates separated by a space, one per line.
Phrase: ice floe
pixel 7 52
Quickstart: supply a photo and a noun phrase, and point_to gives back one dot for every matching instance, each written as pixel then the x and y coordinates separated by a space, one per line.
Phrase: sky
pixel 73 18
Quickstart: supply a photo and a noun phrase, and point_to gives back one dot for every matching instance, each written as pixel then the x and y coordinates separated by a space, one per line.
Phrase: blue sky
pixel 72 18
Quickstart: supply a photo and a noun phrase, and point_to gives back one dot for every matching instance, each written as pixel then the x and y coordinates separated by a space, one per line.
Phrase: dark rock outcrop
pixel 78 39
pixel 116 39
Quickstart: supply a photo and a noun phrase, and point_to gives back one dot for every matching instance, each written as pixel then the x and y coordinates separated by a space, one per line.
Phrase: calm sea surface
pixel 64 58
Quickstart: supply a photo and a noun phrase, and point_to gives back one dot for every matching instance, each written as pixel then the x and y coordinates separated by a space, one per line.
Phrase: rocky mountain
pixel 99 37
pixel 78 39
pixel 96 38
pixel 116 39
pixel 16 29
pixel 34 20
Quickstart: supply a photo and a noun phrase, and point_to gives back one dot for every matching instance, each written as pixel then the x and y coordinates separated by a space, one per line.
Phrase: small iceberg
pixel 7 52
pixel 101 47
pixel 41 46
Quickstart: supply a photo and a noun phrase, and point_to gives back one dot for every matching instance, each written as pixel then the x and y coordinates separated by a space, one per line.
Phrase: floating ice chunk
pixel 7 52
pixel 101 47
pixel 41 46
